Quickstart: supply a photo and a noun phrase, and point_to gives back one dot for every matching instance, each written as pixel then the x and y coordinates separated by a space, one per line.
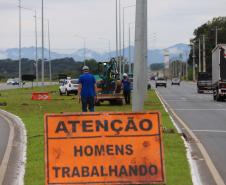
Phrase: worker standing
pixel 87 90
pixel 126 86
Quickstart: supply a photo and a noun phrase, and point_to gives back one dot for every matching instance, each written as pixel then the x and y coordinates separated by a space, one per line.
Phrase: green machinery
pixel 109 87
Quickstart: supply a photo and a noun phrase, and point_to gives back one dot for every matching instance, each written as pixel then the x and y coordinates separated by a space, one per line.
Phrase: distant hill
pixel 178 51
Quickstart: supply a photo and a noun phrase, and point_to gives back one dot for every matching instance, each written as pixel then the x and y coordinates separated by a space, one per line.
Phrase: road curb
pixel 214 172
pixel 15 156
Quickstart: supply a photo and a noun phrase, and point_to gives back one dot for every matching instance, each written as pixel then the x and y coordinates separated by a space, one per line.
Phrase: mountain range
pixel 176 52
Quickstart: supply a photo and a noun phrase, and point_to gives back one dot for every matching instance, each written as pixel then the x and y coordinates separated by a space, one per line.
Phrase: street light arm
pixel 84 42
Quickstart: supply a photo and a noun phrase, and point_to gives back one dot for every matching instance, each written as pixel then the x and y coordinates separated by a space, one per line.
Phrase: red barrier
pixel 41 96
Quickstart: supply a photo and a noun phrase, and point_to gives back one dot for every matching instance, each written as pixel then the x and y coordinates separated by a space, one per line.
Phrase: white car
pixel 69 86
pixel 12 81
pixel 175 81
pixel 161 81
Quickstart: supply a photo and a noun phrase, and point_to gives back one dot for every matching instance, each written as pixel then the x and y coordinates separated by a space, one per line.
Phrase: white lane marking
pixel 193 165
pixel 200 109
pixel 8 150
pixel 213 131
pixel 220 105
pixel 177 100
pixel 215 174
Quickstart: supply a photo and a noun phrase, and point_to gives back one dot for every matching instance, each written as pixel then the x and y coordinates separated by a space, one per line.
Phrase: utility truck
pixel 219 72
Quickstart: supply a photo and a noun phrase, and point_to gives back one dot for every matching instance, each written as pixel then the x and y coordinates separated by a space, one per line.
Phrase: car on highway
pixel 69 86
pixel 12 81
pixel 161 81
pixel 175 81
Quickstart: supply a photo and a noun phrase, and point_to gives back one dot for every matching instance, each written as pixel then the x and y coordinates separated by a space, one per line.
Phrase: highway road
pixel 4 86
pixel 206 118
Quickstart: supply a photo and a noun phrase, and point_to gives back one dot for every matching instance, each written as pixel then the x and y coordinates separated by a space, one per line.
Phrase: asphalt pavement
pixel 206 118
pixel 4 136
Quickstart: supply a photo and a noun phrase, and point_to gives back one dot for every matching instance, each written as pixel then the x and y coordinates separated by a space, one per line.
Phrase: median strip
pixel 32 114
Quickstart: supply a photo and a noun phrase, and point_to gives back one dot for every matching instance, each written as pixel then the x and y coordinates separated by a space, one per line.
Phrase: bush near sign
pixel 104 148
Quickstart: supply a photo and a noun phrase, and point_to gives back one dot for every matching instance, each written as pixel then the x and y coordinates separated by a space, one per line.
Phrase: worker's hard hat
pixel 85 68
pixel 124 74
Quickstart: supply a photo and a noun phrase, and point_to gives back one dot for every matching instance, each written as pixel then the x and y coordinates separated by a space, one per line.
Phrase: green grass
pixel 32 113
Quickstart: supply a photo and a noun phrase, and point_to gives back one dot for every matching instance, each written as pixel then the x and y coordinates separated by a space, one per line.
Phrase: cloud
pixel 173 20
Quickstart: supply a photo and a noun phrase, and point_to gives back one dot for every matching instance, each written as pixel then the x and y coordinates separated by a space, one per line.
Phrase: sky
pixel 71 21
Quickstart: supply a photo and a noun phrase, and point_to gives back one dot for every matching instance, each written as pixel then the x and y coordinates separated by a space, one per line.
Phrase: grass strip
pixel 31 112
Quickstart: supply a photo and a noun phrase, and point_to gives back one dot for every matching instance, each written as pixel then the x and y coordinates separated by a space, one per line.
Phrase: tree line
pixel 9 68
pixel 209 30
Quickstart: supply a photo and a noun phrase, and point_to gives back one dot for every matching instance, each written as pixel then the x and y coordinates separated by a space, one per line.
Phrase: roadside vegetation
pixel 32 113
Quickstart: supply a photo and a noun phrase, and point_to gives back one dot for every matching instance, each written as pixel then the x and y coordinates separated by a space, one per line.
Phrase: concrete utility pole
pixel 50 65
pixel 43 44
pixel 193 64
pixel 20 75
pixel 200 66
pixel 204 54
pixel 140 65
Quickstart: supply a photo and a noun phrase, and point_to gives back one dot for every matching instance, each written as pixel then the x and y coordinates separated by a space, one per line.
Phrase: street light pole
pixel 200 67
pixel 193 64
pixel 120 49
pixel 50 64
pixel 36 39
pixel 123 29
pixel 130 62
pixel 123 38
pixel 20 76
pixel 109 46
pixel 36 47
pixel 204 54
pixel 84 48
pixel 116 31
pixel 217 29
pixel 84 42
pixel 42 43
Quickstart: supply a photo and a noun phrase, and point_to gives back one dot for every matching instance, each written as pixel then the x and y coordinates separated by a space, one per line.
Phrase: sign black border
pixel 92 114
